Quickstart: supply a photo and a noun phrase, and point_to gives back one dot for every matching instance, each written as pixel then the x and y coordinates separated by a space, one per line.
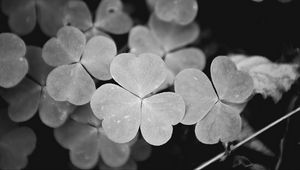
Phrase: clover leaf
pixel 126 109
pixel 74 60
pixel 168 40
pixel 165 36
pixel 13 65
pixel 231 85
pixel 140 151
pixel 141 40
pixel 16 143
pixel 86 140
pixel 23 15
pixel 181 12
pixel 23 100
pixel 214 108
pixel 77 14
pixel 185 58
pixel 109 18
pixel 30 94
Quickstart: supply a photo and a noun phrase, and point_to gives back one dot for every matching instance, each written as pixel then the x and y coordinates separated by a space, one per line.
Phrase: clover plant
pixel 119 81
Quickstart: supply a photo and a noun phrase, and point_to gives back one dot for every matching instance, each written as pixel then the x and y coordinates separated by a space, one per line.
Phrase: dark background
pixel 270 29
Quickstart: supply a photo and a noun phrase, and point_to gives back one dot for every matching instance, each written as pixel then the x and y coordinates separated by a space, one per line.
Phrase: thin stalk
pixel 219 156
pixel 283 140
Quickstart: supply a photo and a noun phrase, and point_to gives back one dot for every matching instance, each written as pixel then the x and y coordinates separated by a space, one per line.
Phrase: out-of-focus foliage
pixel 161 37
pixel 23 15
pixel 16 143
pixel 270 79
pixel 214 109
pixel 13 65
pixel 181 12
pixel 74 60
pixel 52 15
pixel 140 151
pixel 109 18
pixel 86 140
pixel 244 162
pixel 30 95
pixel 126 109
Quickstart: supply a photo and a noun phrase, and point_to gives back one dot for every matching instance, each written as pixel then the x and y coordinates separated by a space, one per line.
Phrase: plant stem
pixel 283 141
pixel 219 156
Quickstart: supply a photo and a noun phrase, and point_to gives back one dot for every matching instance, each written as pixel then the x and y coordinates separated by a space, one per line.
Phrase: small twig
pixel 219 156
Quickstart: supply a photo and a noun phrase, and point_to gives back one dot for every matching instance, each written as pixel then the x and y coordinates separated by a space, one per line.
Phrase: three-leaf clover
pixel 13 65
pixel 23 15
pixel 168 40
pixel 216 108
pixel 74 60
pixel 126 109
pixel 84 137
pixel 31 95
pixel 109 17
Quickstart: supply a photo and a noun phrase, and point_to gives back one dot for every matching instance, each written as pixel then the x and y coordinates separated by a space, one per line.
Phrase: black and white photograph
pixel 149 85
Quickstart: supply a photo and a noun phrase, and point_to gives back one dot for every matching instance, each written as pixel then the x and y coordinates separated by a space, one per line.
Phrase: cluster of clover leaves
pixel 60 80
pixel 123 108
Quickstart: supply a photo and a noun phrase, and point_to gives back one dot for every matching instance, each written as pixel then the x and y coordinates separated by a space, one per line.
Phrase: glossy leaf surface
pixel 140 75
pixel 120 111
pixel 222 123
pixel 70 83
pixel 66 48
pixel 159 113
pixel 198 93
pixel 231 85
pixel 97 56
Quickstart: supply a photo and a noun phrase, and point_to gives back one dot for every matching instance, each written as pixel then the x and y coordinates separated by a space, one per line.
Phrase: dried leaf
pixel 270 79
